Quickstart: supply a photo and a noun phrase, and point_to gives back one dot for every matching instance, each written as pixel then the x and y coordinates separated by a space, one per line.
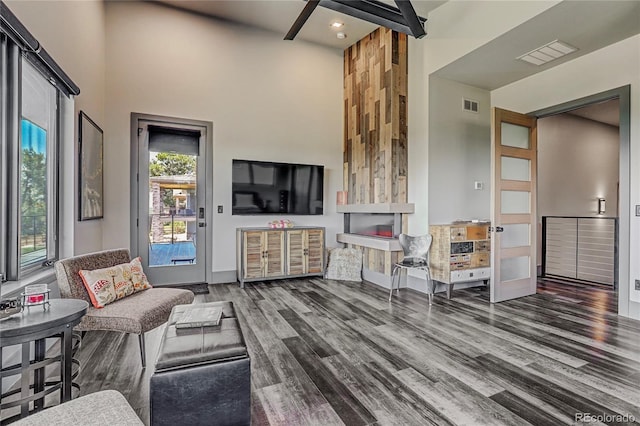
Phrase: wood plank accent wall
pixel 378 260
pixel 375 125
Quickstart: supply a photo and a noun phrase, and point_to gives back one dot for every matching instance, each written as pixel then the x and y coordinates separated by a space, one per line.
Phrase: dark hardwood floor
pixel 327 352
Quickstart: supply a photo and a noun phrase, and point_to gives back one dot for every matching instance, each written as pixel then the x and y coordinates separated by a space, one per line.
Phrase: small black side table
pixel 35 324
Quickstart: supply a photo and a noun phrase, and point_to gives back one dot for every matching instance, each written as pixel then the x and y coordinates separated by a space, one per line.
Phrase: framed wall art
pixel 90 176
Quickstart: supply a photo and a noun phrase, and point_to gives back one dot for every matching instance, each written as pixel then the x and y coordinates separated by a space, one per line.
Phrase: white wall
pixel 454 29
pixel 608 68
pixel 459 152
pixel 417 137
pixel 577 164
pixel 268 99
pixel 73 33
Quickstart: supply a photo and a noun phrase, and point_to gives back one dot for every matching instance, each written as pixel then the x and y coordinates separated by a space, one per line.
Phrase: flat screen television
pixel 261 187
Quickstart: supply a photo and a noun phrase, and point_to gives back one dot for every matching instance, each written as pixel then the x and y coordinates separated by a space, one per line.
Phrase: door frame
pixel 208 190
pixel 623 253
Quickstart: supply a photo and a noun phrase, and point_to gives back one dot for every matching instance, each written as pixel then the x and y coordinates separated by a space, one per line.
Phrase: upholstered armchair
pixel 135 314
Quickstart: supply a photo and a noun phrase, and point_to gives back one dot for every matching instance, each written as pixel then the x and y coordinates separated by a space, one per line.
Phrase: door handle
pixel 499 229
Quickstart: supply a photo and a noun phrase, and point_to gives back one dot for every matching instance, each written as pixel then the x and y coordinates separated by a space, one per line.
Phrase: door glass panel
pixel 515 136
pixel 516 235
pixel 514 268
pixel 172 208
pixel 515 202
pixel 515 169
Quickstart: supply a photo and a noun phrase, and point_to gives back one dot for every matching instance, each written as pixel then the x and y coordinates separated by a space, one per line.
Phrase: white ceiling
pixel 605 112
pixel 587 25
pixel 279 15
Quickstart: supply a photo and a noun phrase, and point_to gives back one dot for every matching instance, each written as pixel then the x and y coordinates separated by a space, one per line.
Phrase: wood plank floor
pixel 329 353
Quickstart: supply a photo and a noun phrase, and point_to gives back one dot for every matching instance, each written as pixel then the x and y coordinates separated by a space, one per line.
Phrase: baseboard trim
pixel 223 277
pixel 380 279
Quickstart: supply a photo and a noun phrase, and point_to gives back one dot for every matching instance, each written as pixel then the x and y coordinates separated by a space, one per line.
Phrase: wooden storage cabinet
pixel 460 252
pixel 305 251
pixel 265 253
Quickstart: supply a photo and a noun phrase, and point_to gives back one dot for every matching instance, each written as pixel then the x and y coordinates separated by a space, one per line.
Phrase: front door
pixel 513 205
pixel 172 205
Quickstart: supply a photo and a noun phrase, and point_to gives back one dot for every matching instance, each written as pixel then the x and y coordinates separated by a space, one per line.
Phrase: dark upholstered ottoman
pixel 203 375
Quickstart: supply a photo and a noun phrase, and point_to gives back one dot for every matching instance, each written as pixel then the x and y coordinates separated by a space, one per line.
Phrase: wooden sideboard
pixel 267 253
pixel 460 252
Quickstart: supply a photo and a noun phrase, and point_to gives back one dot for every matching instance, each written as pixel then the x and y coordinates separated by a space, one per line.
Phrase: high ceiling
pixel 279 15
pixel 586 25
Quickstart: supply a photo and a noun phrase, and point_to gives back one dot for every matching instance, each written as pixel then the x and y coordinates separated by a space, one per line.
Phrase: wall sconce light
pixel 601 206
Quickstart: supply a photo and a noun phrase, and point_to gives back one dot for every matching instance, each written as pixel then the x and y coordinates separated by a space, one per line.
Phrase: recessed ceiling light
pixel 547 53
pixel 337 24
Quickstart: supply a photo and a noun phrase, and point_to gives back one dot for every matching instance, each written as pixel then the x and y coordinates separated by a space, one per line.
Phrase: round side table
pixel 36 324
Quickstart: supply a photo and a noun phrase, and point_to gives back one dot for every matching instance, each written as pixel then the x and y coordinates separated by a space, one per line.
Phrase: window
pixel 30 176
pixel 35 105
pixel 38 170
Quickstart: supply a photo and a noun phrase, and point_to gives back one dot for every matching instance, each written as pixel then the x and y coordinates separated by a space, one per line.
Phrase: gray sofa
pixel 104 408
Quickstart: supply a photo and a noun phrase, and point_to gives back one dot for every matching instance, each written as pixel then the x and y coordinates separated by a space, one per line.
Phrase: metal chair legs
pixel 393 276
pixel 142 351
pixel 430 284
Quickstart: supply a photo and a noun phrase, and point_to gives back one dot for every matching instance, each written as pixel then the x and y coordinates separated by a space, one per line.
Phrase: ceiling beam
pixel 410 16
pixel 381 14
pixel 302 18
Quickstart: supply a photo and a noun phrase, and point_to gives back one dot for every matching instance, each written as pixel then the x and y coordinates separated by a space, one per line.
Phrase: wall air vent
pixel 469 105
pixel 547 53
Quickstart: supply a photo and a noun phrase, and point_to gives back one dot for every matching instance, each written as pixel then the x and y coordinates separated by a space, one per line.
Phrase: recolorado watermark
pixel 603 418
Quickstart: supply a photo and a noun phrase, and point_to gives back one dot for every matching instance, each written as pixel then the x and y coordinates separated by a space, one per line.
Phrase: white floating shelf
pixel 378 243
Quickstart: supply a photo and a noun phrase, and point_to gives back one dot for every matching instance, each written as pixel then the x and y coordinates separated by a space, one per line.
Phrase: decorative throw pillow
pixel 345 264
pixel 115 282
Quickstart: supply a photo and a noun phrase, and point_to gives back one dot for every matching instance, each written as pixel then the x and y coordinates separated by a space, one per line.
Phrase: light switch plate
pixel 219 209
pixel 637 209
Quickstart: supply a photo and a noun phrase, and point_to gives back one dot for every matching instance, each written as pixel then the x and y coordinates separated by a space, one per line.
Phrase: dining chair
pixel 416 256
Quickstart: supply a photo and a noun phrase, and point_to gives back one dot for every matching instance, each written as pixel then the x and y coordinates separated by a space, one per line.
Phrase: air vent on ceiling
pixel 469 105
pixel 547 53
